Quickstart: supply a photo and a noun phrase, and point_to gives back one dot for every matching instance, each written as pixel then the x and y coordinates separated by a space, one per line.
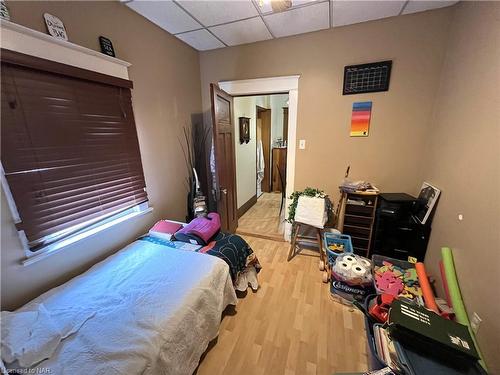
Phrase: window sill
pixel 56 247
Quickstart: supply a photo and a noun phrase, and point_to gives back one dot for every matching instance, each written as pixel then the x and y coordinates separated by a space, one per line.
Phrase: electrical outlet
pixel 475 323
pixel 302 144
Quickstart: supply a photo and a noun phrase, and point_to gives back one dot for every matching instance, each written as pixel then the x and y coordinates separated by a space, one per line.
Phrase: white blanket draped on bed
pixel 156 310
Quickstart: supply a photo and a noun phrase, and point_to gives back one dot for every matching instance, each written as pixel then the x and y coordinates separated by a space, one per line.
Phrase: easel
pixel 294 250
pixel 341 201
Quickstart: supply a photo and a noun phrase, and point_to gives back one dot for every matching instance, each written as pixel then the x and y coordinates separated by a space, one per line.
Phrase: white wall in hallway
pixel 246 162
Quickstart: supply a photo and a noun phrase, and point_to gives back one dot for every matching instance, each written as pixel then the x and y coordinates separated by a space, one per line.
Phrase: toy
pixel 389 283
pixel 338 248
pixel 397 278
pixel 430 303
pixel 379 307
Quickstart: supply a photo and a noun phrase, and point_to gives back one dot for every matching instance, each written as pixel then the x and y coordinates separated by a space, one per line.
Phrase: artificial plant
pixel 193 145
pixel 308 192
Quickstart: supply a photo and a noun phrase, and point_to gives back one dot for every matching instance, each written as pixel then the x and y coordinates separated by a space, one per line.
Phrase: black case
pixel 416 327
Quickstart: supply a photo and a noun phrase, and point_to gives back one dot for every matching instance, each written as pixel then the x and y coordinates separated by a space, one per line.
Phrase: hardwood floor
pixel 291 325
pixel 262 219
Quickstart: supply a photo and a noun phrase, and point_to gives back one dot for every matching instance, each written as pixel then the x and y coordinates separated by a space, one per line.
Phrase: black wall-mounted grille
pixel 372 77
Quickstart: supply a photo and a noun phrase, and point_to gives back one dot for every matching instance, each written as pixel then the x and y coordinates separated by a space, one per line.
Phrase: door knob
pixel 223 191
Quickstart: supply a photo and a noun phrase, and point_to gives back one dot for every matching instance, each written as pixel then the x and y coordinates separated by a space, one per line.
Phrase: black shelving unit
pixel 397 234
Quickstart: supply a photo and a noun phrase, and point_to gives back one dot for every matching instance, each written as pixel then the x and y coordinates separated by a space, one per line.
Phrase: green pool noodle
pixel 456 297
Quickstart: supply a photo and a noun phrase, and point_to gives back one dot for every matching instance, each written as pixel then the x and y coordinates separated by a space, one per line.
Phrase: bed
pixel 144 310
pixel 232 249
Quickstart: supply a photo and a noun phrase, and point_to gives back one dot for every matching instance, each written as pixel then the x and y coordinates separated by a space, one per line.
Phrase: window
pixel 69 148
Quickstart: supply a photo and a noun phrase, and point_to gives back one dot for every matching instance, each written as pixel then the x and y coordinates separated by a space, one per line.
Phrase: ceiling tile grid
pixel 201 39
pixel 165 14
pixel 300 20
pixel 351 12
pixel 241 32
pixel 210 24
pixel 216 12
pixel 421 5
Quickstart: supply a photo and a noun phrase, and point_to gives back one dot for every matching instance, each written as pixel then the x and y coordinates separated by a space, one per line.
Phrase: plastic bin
pixel 339 239
pixel 410 285
pixel 375 362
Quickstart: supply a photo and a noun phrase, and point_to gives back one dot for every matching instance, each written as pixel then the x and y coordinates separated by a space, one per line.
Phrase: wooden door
pixel 285 124
pixel 225 161
pixel 265 117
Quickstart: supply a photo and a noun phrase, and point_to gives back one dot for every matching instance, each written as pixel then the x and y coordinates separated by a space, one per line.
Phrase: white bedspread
pixel 156 310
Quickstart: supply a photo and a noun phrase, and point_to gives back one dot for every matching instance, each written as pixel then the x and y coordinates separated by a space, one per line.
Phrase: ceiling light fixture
pixel 277 5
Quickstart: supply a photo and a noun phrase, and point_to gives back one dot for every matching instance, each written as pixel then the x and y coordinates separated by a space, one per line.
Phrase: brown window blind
pixel 70 152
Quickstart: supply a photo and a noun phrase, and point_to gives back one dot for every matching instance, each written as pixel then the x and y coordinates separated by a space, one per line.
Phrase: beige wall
pixel 463 160
pixel 166 95
pixel 246 174
pixel 391 156
pixel 438 122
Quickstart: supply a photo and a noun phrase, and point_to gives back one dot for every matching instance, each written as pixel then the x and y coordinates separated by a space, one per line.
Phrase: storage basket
pixel 337 239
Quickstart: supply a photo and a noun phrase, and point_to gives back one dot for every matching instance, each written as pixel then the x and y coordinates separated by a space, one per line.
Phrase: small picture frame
pixel 428 197
pixel 244 130
pixel 106 46
pixel 55 26
pixel 4 11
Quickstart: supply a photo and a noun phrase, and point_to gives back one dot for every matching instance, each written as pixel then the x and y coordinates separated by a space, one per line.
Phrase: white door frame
pixel 273 85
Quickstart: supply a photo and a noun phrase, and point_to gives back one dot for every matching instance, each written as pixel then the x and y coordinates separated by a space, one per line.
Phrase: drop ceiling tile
pixel 350 12
pixel 246 31
pixel 202 40
pixel 214 12
pixel 420 6
pixel 165 14
pixel 300 20
pixel 267 8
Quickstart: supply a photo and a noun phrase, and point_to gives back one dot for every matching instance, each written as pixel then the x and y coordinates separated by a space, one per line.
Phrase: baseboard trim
pixel 247 205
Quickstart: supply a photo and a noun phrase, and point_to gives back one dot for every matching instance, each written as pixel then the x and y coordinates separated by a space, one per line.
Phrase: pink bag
pixel 202 227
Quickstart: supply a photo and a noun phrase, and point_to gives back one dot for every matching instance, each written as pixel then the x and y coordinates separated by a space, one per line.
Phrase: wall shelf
pixel 31 42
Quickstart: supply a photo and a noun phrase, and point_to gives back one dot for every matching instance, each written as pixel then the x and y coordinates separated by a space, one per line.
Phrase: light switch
pixel 302 144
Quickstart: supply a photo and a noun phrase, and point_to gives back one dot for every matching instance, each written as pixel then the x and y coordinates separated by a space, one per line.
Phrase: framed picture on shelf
pixel 106 46
pixel 244 130
pixel 55 26
pixel 428 197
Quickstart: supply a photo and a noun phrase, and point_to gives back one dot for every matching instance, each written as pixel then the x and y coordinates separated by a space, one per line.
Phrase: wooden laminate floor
pixel 263 218
pixel 291 325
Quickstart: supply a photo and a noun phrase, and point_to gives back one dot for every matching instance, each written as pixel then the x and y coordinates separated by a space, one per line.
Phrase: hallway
pixel 263 218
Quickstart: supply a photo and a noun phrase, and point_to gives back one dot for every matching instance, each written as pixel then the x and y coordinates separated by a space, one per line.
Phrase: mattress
pixel 153 312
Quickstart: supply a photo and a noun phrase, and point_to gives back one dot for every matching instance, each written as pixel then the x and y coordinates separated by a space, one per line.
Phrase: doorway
pixel 263 150
pixel 260 158
pixel 267 86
